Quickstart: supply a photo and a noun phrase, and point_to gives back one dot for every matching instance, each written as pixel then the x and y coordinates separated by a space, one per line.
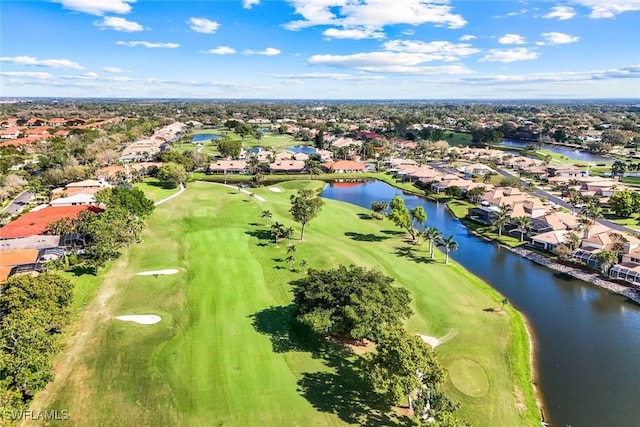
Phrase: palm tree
pixel 486 179
pixel 432 234
pixel 290 260
pixel 266 214
pixel 449 244
pixel 607 258
pixel 619 243
pixel 291 250
pixel 378 208
pixel 288 234
pixel 585 224
pixel 572 240
pixel 303 263
pixel 277 231
pixel 524 224
pixel 502 218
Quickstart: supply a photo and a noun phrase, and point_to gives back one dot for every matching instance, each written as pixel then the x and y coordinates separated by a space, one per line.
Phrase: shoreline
pixel 533 367
pixel 589 277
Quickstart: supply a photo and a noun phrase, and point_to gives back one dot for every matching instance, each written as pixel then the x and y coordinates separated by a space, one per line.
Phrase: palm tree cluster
pixel 436 238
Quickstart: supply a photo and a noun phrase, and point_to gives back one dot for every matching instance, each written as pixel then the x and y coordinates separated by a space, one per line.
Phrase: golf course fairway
pixel 224 353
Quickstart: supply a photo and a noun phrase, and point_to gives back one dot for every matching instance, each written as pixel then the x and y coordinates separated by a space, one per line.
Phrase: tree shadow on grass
pixel 345 389
pixel 81 270
pixel 393 232
pixel 162 184
pixel 365 216
pixel 359 237
pixel 260 234
pixel 412 255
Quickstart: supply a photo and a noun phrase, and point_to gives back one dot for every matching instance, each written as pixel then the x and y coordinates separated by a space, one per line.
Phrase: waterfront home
pixel 629 268
pixel 287 166
pixel 550 240
pixel 475 169
pixel 344 166
pixel 565 171
pixel 229 167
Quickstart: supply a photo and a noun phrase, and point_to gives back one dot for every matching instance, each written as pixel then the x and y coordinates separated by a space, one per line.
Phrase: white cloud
pixel 467 37
pixel 609 8
pixel 373 14
pixel 248 4
pixel 353 33
pixel 112 70
pixel 98 7
pixel 512 39
pixel 330 76
pixel 554 38
pixel 509 55
pixel 438 50
pixel 408 32
pixel 150 45
pixel 631 72
pixel 510 14
pixel 561 13
pixel 221 50
pixel 27 74
pixel 119 24
pixel 203 25
pixel 52 63
pixel 388 62
pixel 270 51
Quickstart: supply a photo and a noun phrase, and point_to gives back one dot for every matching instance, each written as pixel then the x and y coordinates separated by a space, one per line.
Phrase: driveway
pixel 18 203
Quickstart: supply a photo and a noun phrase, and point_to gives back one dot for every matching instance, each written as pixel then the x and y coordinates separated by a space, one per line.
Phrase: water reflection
pixel 587 340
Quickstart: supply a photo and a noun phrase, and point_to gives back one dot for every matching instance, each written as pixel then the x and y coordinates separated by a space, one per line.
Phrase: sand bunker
pixel 142 319
pixel 275 189
pixel 434 342
pixel 158 272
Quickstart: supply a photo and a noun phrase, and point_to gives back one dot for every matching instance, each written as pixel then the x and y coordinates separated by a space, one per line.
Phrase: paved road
pixel 560 202
pixel 18 203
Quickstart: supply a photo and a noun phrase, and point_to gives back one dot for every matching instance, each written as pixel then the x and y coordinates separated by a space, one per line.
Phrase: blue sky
pixel 320 49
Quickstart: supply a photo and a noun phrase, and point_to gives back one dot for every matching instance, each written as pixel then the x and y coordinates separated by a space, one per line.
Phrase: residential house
pixel 37 222
pixel 287 166
pixel 229 167
pixel 344 166
pixel 9 133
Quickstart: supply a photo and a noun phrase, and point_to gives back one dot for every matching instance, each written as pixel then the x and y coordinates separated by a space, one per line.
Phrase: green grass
pixel 155 190
pixel 633 222
pixel 458 138
pixel 631 180
pixel 226 352
pixel 460 208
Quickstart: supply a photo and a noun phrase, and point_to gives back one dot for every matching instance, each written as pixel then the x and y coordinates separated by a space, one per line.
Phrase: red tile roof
pixel 33 223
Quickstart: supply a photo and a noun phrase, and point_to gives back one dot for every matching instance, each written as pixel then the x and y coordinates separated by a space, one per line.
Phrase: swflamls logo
pixel 44 415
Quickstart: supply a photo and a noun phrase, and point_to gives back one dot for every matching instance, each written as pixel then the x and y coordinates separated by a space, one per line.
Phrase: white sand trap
pixel 142 319
pixel 434 342
pixel 158 272
pixel 275 189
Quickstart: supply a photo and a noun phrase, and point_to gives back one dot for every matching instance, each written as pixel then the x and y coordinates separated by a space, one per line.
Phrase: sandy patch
pixel 434 342
pixel 158 272
pixel 275 189
pixel 141 319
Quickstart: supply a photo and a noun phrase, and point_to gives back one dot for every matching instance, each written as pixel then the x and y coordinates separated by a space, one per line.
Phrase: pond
pixel 205 137
pixel 570 153
pixel 305 149
pixel 587 340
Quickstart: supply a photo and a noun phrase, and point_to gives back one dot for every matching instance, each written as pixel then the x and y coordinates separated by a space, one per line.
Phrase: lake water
pixel 205 137
pixel 301 149
pixel 570 153
pixel 587 340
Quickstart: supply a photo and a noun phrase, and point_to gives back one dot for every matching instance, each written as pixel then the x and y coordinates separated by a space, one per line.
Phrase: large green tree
pixel 173 173
pixel 132 200
pixel 405 218
pixel 229 148
pixel 305 206
pixel 351 301
pixel 405 367
pixel 622 203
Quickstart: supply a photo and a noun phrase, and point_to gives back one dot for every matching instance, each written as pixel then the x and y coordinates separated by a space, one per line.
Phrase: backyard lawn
pixel 226 351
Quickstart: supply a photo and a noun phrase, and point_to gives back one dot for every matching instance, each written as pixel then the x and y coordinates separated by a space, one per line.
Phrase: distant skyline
pixel 320 49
